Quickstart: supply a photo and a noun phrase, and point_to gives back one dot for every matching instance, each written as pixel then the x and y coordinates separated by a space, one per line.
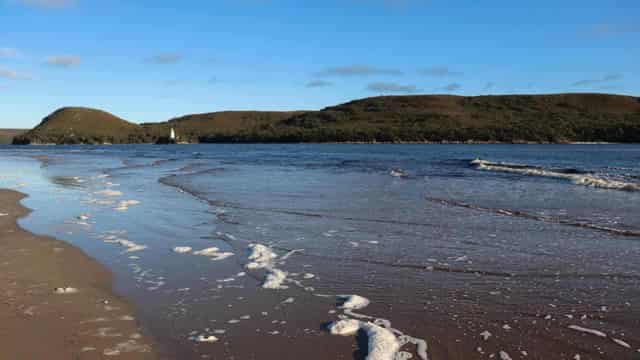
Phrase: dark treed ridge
pixel 7 135
pixel 554 118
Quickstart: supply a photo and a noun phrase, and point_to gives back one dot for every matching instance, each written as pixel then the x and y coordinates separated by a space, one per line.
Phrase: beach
pixel 57 303
pixel 330 251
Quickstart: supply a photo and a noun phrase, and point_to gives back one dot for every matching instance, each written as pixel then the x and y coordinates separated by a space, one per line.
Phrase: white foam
pixel 398 173
pixel 182 249
pixel 126 347
pixel 588 331
pixel 308 276
pixel 622 343
pixel 111 193
pixel 353 302
pixel 83 217
pixel 206 339
pixel 65 290
pixel 505 356
pixel 344 327
pixel 579 179
pixel 124 205
pixel 214 253
pixel 130 245
pixel 261 256
pixel 382 343
pixel 274 279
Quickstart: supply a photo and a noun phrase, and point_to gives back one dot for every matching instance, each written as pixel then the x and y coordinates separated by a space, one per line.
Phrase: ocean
pixel 461 251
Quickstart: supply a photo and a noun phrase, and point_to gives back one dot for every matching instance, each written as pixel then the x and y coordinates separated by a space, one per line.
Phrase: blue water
pixel 444 252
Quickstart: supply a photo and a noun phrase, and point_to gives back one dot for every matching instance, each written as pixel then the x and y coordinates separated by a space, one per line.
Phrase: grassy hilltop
pixel 420 118
pixel 76 125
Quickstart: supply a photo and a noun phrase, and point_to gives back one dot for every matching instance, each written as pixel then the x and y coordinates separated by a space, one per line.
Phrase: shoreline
pixel 55 294
pixel 465 142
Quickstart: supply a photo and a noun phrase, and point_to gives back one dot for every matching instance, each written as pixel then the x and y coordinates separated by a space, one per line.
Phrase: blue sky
pixel 151 60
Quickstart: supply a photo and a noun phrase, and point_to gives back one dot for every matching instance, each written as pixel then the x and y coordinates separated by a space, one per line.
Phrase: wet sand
pixel 56 302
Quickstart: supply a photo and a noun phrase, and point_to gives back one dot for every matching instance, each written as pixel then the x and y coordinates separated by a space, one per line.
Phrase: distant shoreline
pixel 422 119
pixel 470 142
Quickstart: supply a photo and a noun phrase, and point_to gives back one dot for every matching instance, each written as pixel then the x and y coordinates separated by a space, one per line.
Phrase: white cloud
pixel 65 61
pixel 13 75
pixel 438 71
pixel 165 58
pixel 385 87
pixel 357 70
pixel 6 53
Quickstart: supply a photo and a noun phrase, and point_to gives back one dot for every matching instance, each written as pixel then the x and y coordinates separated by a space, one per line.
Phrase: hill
pixel 553 118
pixel 191 128
pixel 444 118
pixel 76 125
pixel 7 135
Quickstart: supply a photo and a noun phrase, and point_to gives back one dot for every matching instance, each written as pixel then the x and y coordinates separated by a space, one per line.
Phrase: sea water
pixel 446 242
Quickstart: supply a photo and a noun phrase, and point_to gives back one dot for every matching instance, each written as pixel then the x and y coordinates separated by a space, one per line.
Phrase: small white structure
pixel 172 136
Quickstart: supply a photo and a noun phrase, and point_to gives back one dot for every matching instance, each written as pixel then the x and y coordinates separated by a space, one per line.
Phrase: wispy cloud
pixel 451 87
pixel 50 4
pixel 390 87
pixel 438 71
pixel 597 81
pixel 13 75
pixel 489 85
pixel 6 53
pixel 357 70
pixel 65 61
pixel 318 84
pixel 165 58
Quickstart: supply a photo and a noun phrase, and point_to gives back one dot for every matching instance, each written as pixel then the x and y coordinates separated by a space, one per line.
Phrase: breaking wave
pixel 577 177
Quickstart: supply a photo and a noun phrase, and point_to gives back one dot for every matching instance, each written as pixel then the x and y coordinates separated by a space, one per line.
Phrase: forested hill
pixel 554 118
pixel 7 135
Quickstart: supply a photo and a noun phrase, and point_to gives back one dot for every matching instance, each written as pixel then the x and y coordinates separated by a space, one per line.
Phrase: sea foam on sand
pixel 383 345
pixel 353 302
pixel 65 290
pixel 384 341
pixel 262 257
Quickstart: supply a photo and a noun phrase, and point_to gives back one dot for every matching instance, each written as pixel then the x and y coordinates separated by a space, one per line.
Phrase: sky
pixel 150 60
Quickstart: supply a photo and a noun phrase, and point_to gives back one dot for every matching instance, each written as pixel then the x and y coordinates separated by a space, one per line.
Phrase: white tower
pixel 172 136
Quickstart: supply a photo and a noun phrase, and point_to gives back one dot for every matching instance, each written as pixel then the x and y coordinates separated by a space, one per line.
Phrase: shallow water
pixel 445 253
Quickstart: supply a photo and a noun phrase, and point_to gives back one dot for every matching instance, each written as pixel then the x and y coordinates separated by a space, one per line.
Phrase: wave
pixel 173 180
pixel 574 175
pixel 530 216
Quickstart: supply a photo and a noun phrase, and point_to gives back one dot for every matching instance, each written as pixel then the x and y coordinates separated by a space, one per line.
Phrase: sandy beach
pixel 56 301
